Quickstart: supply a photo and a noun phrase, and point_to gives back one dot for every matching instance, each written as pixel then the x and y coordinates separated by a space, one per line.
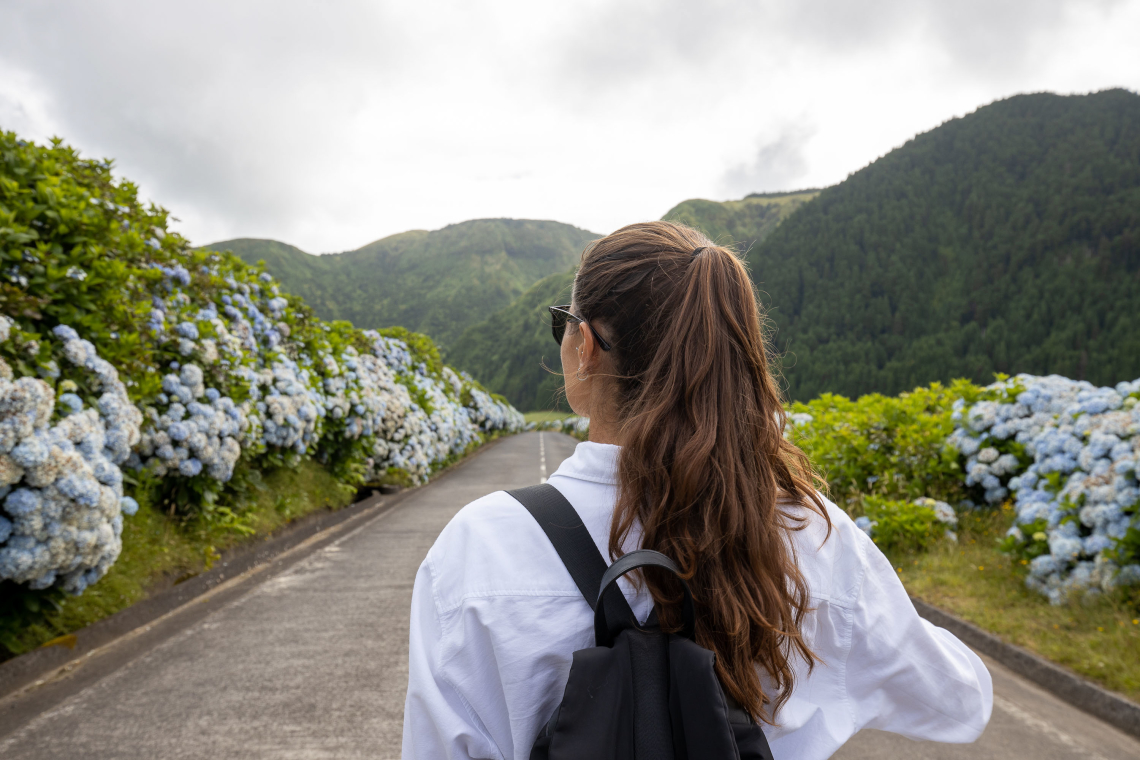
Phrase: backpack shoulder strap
pixel 566 531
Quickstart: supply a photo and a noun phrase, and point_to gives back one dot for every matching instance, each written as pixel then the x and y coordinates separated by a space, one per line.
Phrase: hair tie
pixel 697 251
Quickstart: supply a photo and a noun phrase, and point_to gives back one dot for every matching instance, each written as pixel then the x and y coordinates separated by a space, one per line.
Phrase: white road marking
pixel 541 458
pixel 1044 727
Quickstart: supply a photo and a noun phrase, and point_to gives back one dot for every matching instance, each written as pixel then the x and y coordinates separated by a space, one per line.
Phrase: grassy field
pixel 1097 638
pixel 547 416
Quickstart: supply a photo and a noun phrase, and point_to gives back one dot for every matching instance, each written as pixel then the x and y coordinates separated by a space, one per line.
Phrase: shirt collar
pixel 593 462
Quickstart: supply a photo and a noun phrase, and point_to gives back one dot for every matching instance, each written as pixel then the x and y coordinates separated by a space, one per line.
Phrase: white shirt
pixel 496 618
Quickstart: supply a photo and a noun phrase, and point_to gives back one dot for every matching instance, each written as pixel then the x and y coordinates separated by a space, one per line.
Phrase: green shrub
pixel 902 525
pixel 883 446
pixel 77 248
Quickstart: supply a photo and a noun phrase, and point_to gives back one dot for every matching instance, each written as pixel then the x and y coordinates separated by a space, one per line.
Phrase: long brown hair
pixel 704 467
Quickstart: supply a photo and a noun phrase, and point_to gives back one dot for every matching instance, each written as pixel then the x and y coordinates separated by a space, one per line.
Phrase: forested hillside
pixel 513 350
pixel 508 351
pixel 1004 241
pixel 431 282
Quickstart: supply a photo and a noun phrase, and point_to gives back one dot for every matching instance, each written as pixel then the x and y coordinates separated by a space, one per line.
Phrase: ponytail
pixel 704 468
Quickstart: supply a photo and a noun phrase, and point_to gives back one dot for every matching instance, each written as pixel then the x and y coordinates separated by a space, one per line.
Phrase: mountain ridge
pixel 1006 240
pixel 428 281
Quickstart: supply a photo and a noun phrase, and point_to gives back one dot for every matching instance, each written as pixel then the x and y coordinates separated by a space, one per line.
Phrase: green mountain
pixel 435 282
pixel 507 351
pixel 1004 241
pixel 512 351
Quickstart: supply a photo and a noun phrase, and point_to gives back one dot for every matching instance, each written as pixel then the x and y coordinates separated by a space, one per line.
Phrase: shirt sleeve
pixel 906 675
pixel 438 722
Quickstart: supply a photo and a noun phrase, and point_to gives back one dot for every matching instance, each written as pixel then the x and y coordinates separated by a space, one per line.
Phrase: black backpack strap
pixel 605 629
pixel 566 531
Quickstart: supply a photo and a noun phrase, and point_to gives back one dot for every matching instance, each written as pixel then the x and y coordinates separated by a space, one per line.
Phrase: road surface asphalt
pixel 312 662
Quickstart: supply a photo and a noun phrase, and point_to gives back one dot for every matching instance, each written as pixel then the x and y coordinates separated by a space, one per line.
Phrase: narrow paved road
pixel 313 662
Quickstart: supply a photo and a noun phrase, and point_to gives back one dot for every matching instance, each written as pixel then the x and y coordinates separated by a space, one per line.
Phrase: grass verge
pixel 158 552
pixel 1097 637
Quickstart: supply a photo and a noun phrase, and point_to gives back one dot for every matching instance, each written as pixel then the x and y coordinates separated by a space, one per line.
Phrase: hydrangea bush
pixel 1062 453
pixel 60 481
pixel 129 356
pixel 1066 452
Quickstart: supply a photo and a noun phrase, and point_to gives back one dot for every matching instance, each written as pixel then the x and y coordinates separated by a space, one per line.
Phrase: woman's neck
pixel 604 424
pixel 604 431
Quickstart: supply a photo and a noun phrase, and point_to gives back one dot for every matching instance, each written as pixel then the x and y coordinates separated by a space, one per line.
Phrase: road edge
pixel 1079 692
pixel 43 664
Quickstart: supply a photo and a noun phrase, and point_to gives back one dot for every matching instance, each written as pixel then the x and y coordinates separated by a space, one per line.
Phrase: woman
pixel 662 348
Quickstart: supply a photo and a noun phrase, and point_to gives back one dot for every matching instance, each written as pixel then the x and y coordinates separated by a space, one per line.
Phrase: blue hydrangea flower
pixel 190 467
pixel 71 403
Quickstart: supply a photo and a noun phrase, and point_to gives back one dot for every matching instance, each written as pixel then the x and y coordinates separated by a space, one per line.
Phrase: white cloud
pixel 329 124
pixel 779 164
pixel 24 106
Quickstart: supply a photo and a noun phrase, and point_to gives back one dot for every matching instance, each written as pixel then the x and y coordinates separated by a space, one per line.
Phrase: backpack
pixel 639 693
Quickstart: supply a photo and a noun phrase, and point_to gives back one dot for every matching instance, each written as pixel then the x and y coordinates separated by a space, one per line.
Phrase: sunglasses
pixel 561 315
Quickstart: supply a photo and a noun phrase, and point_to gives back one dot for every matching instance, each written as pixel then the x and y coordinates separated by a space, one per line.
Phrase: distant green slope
pixel 742 223
pixel 436 283
pixel 506 352
pixel 1004 241
pixel 301 272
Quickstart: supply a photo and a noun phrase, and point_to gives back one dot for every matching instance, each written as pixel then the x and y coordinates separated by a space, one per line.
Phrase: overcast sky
pixel 331 124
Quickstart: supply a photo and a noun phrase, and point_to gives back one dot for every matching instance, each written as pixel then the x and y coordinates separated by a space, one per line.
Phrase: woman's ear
pixel 587 352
